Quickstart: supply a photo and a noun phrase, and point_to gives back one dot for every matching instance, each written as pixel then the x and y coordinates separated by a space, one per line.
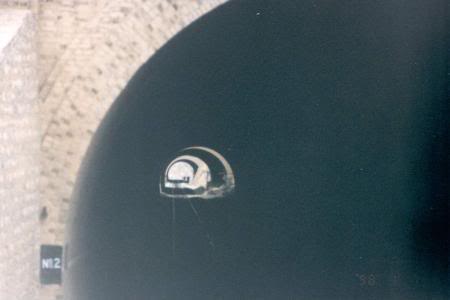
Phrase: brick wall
pixel 19 157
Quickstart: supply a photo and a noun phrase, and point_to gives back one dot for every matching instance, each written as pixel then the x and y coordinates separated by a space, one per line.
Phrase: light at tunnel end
pixel 197 172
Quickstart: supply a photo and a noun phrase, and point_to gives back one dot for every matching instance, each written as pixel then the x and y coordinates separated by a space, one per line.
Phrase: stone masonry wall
pixel 60 21
pixel 19 157
pixel 83 70
pixel 88 76
pixel 87 51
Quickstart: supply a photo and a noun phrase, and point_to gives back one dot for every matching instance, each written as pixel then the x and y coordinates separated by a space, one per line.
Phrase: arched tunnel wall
pixel 99 59
pixel 86 53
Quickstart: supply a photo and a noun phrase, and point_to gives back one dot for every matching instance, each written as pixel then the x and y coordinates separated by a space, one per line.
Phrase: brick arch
pixel 86 78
